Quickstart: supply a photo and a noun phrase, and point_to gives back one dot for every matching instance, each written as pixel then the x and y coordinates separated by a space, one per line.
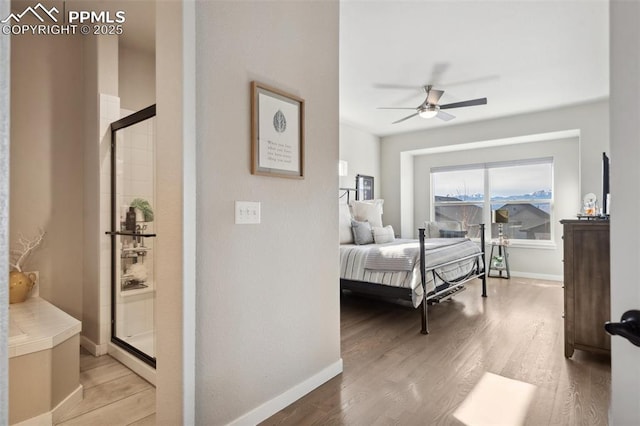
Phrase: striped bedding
pixel 355 265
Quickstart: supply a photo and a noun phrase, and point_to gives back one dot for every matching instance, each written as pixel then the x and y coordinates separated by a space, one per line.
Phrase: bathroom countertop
pixel 36 325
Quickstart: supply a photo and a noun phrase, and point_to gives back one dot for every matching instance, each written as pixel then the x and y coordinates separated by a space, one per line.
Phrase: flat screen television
pixel 605 184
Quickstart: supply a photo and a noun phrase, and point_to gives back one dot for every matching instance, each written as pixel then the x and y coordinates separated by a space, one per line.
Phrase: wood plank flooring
pixel 113 395
pixel 395 376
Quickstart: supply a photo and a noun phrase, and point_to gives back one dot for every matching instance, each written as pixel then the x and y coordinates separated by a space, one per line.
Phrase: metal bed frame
pixel 441 292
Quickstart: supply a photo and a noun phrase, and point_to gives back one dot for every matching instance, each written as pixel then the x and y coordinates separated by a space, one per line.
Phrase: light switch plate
pixel 247 212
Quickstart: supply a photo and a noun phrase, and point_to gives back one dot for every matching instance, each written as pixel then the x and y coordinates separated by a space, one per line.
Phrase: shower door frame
pixel 130 120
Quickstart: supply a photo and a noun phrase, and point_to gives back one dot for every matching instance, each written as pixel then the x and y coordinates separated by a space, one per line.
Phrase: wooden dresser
pixel 586 285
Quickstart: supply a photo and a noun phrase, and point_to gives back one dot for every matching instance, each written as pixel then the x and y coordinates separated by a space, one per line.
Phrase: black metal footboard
pixel 479 271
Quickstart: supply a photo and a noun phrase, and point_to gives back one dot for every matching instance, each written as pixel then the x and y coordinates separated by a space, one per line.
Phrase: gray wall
pixel 175 183
pixel 47 150
pixel 91 195
pixel 136 78
pixel 362 152
pixel 590 119
pixel 543 260
pixel 268 320
pixel 100 75
pixel 4 218
pixel 625 195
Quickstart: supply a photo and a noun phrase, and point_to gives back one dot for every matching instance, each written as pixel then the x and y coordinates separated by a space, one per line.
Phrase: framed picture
pixel 277 132
pixel 364 187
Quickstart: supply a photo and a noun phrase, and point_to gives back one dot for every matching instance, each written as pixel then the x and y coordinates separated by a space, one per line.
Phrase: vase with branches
pixel 27 246
pixel 20 284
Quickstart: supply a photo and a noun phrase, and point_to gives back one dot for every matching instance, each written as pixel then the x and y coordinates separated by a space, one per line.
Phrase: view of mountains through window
pixel 468 195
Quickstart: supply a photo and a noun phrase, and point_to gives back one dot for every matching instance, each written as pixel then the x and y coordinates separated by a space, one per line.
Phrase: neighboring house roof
pixel 543 228
pixel 536 220
pixel 467 213
pixel 516 210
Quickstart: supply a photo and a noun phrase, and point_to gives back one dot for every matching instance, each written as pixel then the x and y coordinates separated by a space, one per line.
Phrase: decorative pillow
pixel 383 235
pixel 361 232
pixel 433 228
pixel 445 233
pixel 344 224
pixel 369 210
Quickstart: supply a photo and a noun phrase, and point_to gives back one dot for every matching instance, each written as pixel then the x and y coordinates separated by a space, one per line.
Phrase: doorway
pixel 133 195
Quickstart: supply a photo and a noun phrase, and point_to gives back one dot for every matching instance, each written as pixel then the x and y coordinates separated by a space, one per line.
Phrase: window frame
pixel 487 211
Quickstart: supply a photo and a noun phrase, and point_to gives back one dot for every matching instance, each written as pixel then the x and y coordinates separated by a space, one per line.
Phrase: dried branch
pixel 28 245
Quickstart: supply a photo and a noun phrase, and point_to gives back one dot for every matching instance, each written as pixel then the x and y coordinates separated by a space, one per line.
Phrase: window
pixel 459 196
pixel 525 191
pixel 470 194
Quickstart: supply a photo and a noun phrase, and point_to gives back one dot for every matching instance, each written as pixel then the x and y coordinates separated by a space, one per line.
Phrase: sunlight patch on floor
pixel 495 401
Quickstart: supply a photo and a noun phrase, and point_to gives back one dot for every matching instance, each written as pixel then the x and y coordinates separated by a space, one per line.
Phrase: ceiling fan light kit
pixel 429 112
pixel 430 107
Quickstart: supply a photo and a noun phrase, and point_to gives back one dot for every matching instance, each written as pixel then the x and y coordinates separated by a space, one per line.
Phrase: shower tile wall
pixel 138 173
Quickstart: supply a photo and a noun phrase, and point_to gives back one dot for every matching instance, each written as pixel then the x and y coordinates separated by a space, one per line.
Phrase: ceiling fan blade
pixel 472 102
pixel 470 80
pixel 406 118
pixel 438 70
pixel 396 108
pixel 445 116
pixel 415 91
pixel 397 86
pixel 434 96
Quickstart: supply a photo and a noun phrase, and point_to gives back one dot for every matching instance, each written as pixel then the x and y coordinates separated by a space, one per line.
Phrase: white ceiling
pixel 521 55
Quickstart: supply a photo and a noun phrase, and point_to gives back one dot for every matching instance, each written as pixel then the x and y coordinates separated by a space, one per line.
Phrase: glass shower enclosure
pixel 133 235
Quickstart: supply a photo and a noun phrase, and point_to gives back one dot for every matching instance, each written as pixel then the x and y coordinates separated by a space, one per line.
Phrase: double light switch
pixel 247 212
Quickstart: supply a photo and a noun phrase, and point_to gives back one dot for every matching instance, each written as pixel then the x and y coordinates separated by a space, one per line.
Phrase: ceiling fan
pixel 430 107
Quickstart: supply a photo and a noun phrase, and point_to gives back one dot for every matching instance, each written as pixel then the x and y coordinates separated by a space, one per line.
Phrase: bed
pixel 422 272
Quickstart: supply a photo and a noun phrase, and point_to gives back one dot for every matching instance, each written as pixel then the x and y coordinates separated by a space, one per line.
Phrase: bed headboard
pixel 344 194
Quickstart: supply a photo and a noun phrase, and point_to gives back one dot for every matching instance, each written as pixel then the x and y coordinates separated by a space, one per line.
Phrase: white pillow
pixel 369 210
pixel 344 224
pixel 383 235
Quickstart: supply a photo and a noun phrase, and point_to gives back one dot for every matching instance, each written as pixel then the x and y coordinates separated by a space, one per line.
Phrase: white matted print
pixel 277 132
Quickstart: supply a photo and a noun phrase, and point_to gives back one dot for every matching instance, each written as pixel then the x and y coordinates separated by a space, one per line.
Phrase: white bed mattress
pixel 353 259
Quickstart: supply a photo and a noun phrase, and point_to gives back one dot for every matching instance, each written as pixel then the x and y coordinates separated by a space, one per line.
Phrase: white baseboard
pixel 271 407
pixel 73 399
pixel 94 348
pixel 548 277
pixel 139 367
pixel 45 419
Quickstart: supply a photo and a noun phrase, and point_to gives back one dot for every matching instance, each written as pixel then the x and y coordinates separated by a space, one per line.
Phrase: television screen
pixel 605 184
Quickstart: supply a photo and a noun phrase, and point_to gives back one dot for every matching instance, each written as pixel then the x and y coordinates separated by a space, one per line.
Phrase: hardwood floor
pixel 394 375
pixel 113 395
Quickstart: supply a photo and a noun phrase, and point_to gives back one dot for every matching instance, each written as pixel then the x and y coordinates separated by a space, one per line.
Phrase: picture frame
pixel 277 132
pixel 364 187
